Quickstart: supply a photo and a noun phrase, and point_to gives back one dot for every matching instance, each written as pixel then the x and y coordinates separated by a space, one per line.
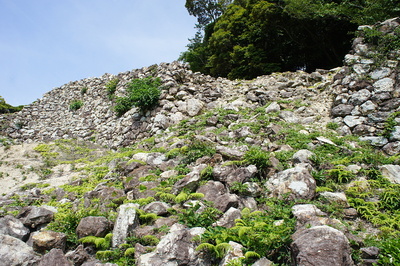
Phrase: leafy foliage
pixel 7 108
pixel 75 105
pixel 258 232
pixel 142 93
pixel 206 11
pixel 257 156
pixel 193 217
pixel 111 87
pixel 196 150
pixel 252 38
pixel 101 243
pixel 66 220
pixel 256 37
pixel 389 251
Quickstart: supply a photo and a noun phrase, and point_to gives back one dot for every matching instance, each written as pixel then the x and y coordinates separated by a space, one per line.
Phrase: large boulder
pixel 226 201
pixel 391 172
pixel 296 181
pixel 321 245
pixel 55 257
pixel 93 226
pixel 78 256
pixel 308 215
pixel 212 190
pixel 46 240
pixel 14 251
pixel 176 248
pixel 157 207
pixel 13 227
pixel 231 175
pixel 228 219
pixel 33 216
pixel 126 222
pixel 191 180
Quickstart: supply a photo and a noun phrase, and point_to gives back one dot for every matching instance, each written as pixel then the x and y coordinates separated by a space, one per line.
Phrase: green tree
pixel 256 37
pixel 356 11
pixel 206 11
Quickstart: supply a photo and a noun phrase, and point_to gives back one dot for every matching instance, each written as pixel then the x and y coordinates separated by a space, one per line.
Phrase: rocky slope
pixel 274 170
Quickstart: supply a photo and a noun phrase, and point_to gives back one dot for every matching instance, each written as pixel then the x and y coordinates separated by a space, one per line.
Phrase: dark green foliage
pixel 75 105
pixel 142 93
pixel 66 220
pixel 206 11
pixel 239 188
pixel 332 125
pixel 193 218
pixel 360 12
pixel 196 150
pixel 123 105
pixel 390 124
pixel 111 87
pixel 258 232
pixel 389 251
pixel 257 156
pixel 255 37
pixel 6 108
pixel 84 90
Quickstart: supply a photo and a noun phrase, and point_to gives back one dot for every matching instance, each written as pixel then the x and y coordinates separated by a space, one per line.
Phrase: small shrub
pixel 75 105
pixel 258 157
pixel 332 125
pixel 196 150
pixel 66 220
pixel 142 93
pixel 111 87
pixel 390 252
pixel 192 218
pixel 84 90
pixel 390 124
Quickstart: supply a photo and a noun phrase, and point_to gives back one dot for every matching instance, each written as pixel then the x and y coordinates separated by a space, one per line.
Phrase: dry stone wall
pixel 185 94
pixel 366 92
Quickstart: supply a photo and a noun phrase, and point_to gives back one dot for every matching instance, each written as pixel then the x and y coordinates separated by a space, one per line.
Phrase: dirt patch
pixel 21 165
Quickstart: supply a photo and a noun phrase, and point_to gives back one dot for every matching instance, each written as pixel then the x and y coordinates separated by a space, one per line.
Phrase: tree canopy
pixel 256 37
pixel 206 11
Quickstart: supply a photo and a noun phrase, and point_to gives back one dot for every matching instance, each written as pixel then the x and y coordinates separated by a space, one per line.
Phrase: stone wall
pixel 185 94
pixel 367 90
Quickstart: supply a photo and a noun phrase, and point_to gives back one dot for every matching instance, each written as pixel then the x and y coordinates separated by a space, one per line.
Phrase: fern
pixel 221 250
pixel 206 247
pixel 235 262
pixel 252 255
pixel 150 240
pixel 243 233
pixel 168 197
pixel 246 211
pixel 240 222
pixel 129 252
pixel 99 242
pixel 196 196
pixel 181 197
pixel 105 255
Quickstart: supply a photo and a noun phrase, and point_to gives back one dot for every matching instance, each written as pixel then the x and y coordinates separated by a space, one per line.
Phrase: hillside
pixel 290 168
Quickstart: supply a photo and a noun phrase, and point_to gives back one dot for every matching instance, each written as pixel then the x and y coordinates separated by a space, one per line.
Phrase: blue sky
pixel 47 43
